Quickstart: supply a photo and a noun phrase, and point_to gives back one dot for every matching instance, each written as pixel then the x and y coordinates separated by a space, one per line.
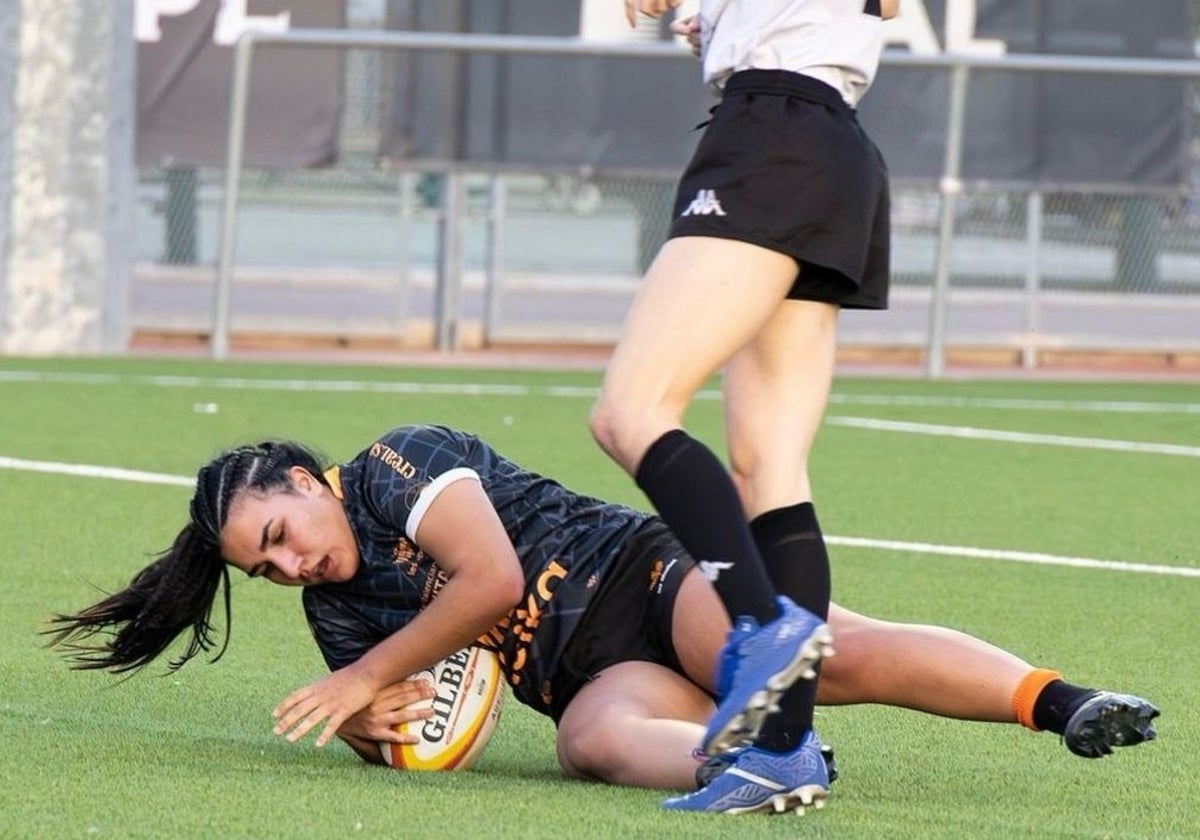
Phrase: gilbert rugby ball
pixel 470 690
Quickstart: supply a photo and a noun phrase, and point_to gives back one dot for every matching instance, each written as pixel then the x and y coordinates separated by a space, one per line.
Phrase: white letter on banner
pixel 960 32
pixel 911 28
pixel 233 21
pixel 147 12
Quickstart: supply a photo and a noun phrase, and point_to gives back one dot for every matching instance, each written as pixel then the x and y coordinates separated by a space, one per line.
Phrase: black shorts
pixel 629 619
pixel 784 164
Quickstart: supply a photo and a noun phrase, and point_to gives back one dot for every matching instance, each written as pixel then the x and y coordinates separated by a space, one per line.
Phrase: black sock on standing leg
pixel 793 551
pixel 693 493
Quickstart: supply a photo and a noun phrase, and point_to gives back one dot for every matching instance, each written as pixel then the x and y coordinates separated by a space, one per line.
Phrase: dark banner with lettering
pixel 636 114
pixel 1043 128
pixel 608 113
pixel 184 79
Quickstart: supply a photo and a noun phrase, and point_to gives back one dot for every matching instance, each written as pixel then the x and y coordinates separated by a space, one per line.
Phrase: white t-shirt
pixel 834 41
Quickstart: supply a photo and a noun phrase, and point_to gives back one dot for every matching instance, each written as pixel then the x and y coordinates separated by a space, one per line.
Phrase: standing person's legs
pixel 703 299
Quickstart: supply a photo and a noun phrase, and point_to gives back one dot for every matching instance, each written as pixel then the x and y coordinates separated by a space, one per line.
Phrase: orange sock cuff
pixel 1027 693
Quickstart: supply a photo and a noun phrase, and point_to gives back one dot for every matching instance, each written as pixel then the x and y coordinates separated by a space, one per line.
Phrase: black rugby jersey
pixel 566 543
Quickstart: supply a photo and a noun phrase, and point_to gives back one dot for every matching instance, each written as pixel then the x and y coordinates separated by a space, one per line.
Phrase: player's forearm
pixel 467 607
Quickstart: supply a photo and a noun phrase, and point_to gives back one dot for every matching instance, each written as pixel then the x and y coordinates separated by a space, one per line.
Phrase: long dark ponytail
pixel 177 591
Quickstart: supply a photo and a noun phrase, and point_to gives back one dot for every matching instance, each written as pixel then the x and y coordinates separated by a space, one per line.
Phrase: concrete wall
pixel 66 174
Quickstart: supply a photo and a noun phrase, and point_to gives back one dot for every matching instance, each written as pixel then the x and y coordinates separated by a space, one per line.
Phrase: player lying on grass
pixel 429 539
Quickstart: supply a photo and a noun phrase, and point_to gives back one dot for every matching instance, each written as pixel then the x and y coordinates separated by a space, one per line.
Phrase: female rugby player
pixel 429 540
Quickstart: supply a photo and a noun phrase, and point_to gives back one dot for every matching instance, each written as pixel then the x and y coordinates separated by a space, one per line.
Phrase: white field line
pixel 1013 556
pixel 1014 437
pixel 492 389
pixel 91 471
pixel 1011 403
pixel 245 384
pixel 139 476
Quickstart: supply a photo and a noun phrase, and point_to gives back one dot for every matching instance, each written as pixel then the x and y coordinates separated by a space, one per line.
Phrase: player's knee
pixel 612 426
pixel 861 645
pixel 626 426
pixel 594 752
pixel 600 424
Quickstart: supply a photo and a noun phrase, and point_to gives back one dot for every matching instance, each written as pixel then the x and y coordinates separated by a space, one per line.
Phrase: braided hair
pixel 176 592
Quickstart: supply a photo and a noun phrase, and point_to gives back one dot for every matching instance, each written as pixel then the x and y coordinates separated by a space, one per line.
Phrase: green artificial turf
pixel 191 754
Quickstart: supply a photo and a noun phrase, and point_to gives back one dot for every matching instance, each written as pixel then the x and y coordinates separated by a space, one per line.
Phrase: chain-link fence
pixel 355 252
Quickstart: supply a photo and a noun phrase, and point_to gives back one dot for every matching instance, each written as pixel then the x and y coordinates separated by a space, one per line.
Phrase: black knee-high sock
pixel 693 493
pixel 793 551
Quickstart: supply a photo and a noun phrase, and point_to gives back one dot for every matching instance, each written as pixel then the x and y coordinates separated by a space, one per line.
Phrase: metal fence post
pixel 495 256
pixel 1033 277
pixel 949 187
pixel 449 273
pixel 406 192
pixel 233 174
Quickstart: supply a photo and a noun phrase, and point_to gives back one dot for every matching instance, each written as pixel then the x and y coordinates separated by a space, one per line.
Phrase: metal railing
pixel 448 281
pixel 449 267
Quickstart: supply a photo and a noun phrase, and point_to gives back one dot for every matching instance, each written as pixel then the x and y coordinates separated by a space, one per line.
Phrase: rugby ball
pixel 470 692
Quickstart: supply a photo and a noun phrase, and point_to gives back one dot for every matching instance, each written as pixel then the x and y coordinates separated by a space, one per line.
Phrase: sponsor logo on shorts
pixel 513 634
pixel 659 573
pixel 704 204
pixel 712 569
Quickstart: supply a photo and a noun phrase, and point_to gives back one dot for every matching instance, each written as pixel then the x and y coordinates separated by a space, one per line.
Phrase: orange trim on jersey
pixel 334 476
pixel 1028 690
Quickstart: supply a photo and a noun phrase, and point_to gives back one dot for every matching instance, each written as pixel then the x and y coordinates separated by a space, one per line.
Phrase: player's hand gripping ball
pixel 470 692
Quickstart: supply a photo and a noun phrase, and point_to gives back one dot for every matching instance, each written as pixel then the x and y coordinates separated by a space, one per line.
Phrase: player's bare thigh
pixel 634 723
pixel 637 723
pixel 702 300
pixel 776 389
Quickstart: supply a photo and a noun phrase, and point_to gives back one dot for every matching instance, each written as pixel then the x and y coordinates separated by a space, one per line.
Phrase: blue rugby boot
pixel 715 765
pixel 1109 720
pixel 762 781
pixel 758 664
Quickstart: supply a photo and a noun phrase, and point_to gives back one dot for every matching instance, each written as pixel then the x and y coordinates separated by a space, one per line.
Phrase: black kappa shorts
pixel 629 619
pixel 784 164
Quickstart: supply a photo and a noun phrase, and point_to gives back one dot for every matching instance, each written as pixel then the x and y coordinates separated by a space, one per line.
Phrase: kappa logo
pixel 705 204
pixel 711 569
